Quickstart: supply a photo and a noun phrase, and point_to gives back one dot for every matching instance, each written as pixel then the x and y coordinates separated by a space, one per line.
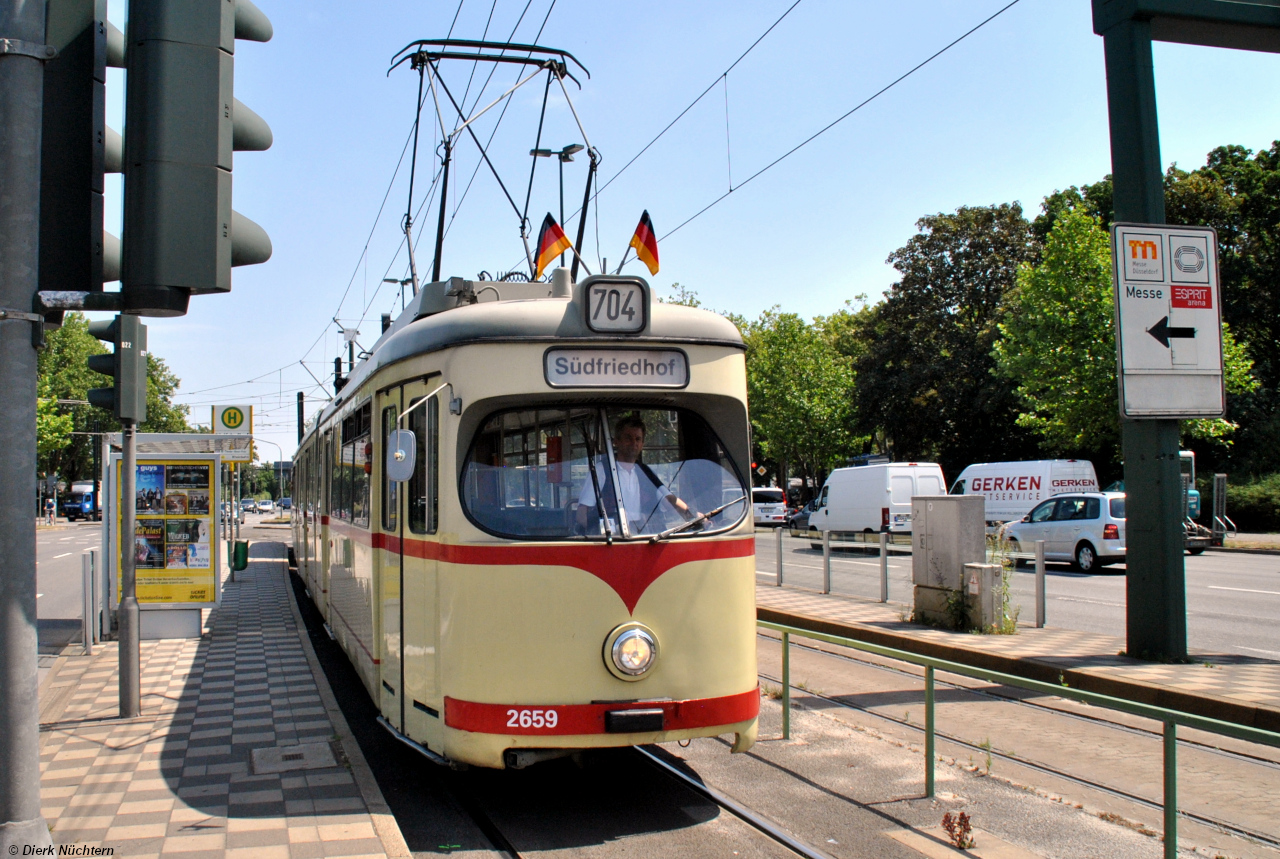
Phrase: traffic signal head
pixel 182 123
pixel 127 365
pixel 77 148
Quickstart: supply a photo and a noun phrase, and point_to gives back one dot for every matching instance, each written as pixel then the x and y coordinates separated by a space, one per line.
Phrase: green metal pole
pixel 928 731
pixel 786 685
pixel 1171 790
pixel 1156 617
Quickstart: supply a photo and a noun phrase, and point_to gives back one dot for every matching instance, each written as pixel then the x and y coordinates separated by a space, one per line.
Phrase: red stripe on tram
pixel 628 568
pixel 537 719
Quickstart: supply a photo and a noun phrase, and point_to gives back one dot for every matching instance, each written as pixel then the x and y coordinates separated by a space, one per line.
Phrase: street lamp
pixel 563 155
pixel 279 463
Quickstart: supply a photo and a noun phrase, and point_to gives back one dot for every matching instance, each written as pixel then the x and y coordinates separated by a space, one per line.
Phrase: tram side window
pixel 350 491
pixel 424 486
pixel 390 488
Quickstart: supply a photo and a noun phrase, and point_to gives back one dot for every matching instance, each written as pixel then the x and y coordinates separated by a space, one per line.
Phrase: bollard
pixel 231 562
pixel 786 685
pixel 86 585
pixel 928 731
pixel 1040 597
pixel 1171 790
pixel 884 567
pixel 778 581
pixel 826 562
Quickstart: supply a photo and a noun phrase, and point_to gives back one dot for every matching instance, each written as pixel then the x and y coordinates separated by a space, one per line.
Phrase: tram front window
pixel 589 472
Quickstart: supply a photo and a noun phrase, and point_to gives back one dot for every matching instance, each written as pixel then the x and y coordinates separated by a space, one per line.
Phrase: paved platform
pixel 241 750
pixel 1240 689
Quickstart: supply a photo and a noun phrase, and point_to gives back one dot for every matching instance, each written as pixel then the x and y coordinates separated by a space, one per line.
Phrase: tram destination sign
pixel 591 367
pixel 1168 308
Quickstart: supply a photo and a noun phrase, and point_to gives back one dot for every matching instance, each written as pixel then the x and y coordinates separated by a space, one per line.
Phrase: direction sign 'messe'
pixel 1168 321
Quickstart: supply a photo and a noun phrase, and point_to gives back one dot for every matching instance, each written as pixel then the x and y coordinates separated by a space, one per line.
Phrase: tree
pixel 800 393
pixel 64 374
pixel 1058 345
pixel 924 383
pixel 53 429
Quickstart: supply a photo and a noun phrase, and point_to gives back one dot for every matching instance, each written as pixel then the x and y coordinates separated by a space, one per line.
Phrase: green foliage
pixel 682 295
pixel 1254 505
pixel 800 393
pixel 63 373
pixel 924 363
pixel 1058 345
pixel 53 429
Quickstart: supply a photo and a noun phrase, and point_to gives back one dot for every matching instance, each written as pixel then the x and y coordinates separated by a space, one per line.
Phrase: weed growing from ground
pixel 959 829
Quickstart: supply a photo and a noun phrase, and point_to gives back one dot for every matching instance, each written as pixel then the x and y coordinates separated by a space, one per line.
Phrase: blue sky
pixel 1013 112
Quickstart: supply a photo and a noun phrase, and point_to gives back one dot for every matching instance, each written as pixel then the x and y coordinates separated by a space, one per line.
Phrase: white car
pixel 1085 528
pixel 770 507
pixel 265 506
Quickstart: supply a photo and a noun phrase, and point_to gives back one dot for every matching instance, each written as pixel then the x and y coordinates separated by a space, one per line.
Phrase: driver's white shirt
pixel 629 477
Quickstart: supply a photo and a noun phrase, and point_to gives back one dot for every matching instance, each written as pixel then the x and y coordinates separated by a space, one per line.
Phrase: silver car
pixel 1085 528
pixel 770 506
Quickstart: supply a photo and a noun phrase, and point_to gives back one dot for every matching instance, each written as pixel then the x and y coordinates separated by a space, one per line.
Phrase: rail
pixel 1170 719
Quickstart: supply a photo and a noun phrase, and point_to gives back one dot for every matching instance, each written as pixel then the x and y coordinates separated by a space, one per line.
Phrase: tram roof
pixel 442 316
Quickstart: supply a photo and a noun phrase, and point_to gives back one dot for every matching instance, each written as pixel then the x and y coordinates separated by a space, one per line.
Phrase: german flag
pixel 646 243
pixel 551 243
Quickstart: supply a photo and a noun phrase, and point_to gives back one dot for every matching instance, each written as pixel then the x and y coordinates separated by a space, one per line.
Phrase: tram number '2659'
pixel 532 718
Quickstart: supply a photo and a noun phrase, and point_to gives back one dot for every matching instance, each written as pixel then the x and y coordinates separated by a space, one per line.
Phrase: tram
pixel 525 518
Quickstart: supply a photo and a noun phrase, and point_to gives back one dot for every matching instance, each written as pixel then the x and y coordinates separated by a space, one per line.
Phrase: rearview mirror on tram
pixel 402 451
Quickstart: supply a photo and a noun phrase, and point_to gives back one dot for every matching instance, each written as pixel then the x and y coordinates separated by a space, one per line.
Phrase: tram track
pixel 988 749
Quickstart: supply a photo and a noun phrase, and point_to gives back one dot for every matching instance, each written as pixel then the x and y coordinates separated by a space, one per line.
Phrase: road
pixel 1233 599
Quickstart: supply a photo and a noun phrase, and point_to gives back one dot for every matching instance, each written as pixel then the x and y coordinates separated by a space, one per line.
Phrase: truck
pixel 874 497
pixel 1011 489
pixel 78 503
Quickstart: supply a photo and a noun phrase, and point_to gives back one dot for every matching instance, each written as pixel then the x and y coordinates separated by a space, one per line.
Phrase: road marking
pixel 39 595
pixel 63 555
pixel 1260 650
pixel 63 539
pixel 1244 590
pixel 1094 602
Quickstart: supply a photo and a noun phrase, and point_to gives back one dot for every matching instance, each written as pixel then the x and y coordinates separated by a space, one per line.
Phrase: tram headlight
pixel 630 651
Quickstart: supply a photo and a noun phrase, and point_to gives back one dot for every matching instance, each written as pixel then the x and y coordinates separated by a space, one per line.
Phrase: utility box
pixel 984 598
pixel 947 532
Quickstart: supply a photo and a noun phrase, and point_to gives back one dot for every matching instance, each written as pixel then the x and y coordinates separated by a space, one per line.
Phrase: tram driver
pixel 642 490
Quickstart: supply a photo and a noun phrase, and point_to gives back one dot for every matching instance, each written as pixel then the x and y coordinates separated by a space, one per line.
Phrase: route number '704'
pixel 532 718
pixel 616 307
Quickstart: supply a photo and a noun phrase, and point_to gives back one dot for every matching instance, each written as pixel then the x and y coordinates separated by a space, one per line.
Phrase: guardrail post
pixel 826 562
pixel 778 581
pixel 884 567
pixel 1040 597
pixel 928 731
pixel 86 586
pixel 1171 790
pixel 786 685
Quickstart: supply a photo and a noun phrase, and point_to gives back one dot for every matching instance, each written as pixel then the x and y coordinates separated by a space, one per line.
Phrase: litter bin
pixel 240 556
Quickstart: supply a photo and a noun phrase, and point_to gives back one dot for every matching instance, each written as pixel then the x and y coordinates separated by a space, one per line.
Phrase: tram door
pixel 420 708
pixel 320 584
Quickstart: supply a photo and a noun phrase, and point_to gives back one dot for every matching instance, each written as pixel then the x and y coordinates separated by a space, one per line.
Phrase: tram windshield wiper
pixel 695 520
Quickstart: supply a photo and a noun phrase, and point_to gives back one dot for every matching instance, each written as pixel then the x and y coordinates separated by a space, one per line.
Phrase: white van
pixel 1013 488
pixel 874 497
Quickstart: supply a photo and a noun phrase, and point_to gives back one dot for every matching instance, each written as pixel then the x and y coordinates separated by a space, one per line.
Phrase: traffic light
pixel 127 400
pixel 182 123
pixel 77 148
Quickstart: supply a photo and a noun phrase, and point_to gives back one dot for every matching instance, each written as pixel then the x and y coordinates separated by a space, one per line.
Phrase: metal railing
pixel 1170 719
pixel 901 543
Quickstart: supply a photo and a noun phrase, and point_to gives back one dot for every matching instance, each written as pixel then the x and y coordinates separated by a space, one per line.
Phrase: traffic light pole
pixel 22 25
pixel 130 665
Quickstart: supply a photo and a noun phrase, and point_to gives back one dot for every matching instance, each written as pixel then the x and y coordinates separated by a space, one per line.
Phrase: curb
pixel 384 823
pixel 1234 550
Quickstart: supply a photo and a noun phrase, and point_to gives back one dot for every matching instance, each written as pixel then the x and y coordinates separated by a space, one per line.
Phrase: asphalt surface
pixel 1233 599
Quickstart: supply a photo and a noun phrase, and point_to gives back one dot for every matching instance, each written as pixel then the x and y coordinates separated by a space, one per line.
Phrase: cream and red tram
pixel 524 590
